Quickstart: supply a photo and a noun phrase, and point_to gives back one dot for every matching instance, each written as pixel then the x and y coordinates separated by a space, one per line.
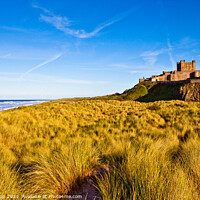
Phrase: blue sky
pixel 68 48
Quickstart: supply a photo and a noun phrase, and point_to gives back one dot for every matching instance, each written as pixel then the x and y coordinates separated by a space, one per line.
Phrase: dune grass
pixel 152 149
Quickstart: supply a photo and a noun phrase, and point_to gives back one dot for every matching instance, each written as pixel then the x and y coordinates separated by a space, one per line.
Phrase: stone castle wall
pixel 185 70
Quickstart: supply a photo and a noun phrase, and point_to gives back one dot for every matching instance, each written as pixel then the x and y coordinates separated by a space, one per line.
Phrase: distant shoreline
pixel 26 100
pixel 10 104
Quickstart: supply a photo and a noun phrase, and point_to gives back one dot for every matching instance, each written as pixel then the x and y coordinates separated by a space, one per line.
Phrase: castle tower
pixel 194 65
pixel 186 66
pixel 181 65
pixel 178 66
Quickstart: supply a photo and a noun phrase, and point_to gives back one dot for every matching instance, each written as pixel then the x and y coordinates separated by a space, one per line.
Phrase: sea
pixel 9 104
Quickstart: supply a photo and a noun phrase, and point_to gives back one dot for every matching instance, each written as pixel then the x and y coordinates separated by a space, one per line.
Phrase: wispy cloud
pixel 39 78
pixel 41 8
pixel 170 54
pixel 66 80
pixel 13 77
pixel 40 65
pixel 150 60
pixel 63 23
pixel 6 55
pixel 153 53
pixel 136 68
pixel 13 29
pixel 142 71
pixel 150 57
pixel 186 42
pixel 165 26
pixel 121 65
pixel 59 23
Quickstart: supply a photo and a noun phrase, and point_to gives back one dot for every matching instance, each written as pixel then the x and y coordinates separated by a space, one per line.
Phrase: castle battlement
pixel 185 70
pixel 186 66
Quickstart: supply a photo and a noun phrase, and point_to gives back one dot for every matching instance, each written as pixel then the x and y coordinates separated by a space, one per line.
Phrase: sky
pixel 79 48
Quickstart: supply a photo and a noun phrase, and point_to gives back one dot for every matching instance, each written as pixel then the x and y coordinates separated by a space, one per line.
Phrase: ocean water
pixel 9 104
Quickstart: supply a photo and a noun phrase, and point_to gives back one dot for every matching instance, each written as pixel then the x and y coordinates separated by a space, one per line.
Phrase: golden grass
pixel 153 149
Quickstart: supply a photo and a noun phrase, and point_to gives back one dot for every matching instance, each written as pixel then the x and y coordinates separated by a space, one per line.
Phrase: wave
pixel 10 104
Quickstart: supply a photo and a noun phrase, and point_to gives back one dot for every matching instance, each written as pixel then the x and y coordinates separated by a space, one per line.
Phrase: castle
pixel 185 70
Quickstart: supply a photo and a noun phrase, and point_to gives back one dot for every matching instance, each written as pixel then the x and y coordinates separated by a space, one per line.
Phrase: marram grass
pixel 152 149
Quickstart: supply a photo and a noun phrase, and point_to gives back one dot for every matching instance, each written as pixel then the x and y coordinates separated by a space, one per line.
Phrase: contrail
pixel 163 17
pixel 40 65
pixel 170 54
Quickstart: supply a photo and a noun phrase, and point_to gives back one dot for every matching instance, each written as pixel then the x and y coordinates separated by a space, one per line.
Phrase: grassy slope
pixel 134 93
pixel 149 92
pixel 162 92
pixel 153 148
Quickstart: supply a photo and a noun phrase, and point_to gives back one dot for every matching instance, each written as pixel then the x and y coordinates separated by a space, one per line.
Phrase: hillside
pixel 148 92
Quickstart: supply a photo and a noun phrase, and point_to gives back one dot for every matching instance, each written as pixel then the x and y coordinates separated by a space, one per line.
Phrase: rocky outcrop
pixel 190 92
